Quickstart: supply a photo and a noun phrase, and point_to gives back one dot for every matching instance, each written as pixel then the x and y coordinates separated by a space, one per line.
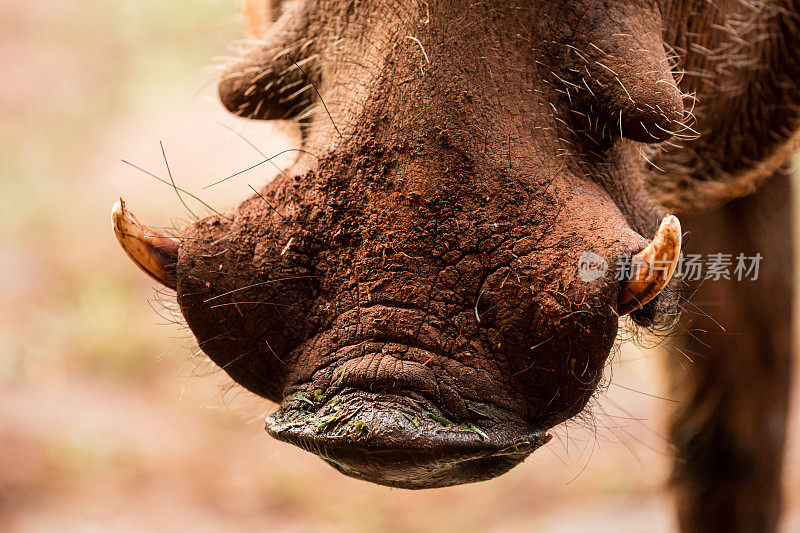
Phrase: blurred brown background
pixel 108 418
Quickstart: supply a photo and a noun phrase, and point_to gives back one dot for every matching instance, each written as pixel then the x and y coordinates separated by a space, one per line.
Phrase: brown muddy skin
pixel 408 291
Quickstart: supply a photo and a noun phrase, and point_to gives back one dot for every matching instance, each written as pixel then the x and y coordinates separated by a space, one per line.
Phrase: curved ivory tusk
pixel 652 268
pixel 153 252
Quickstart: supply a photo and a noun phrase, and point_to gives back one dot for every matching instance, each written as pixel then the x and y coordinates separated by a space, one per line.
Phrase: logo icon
pixel 591 267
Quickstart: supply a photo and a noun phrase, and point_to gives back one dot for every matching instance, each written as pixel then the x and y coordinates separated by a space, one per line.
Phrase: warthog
pixel 409 291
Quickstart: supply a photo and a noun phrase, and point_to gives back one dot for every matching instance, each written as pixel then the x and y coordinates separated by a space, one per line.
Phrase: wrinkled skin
pixel 408 290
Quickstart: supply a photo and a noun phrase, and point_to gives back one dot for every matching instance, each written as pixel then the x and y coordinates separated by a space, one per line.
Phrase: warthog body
pixel 409 292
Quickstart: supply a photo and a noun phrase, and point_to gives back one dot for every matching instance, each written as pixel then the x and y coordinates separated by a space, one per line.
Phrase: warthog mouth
pixel 378 413
pixel 399 439
pixel 420 382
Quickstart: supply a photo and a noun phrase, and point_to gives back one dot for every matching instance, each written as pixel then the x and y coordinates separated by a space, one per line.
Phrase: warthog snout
pixel 414 291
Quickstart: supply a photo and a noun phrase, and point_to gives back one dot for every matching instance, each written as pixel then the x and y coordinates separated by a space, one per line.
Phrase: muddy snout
pixel 408 358
pixel 401 439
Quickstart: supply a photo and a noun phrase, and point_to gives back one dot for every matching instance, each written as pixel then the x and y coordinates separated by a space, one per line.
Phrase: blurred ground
pixel 107 421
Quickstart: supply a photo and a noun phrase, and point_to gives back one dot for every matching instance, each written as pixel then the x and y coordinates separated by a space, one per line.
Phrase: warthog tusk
pixel 155 253
pixel 652 268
